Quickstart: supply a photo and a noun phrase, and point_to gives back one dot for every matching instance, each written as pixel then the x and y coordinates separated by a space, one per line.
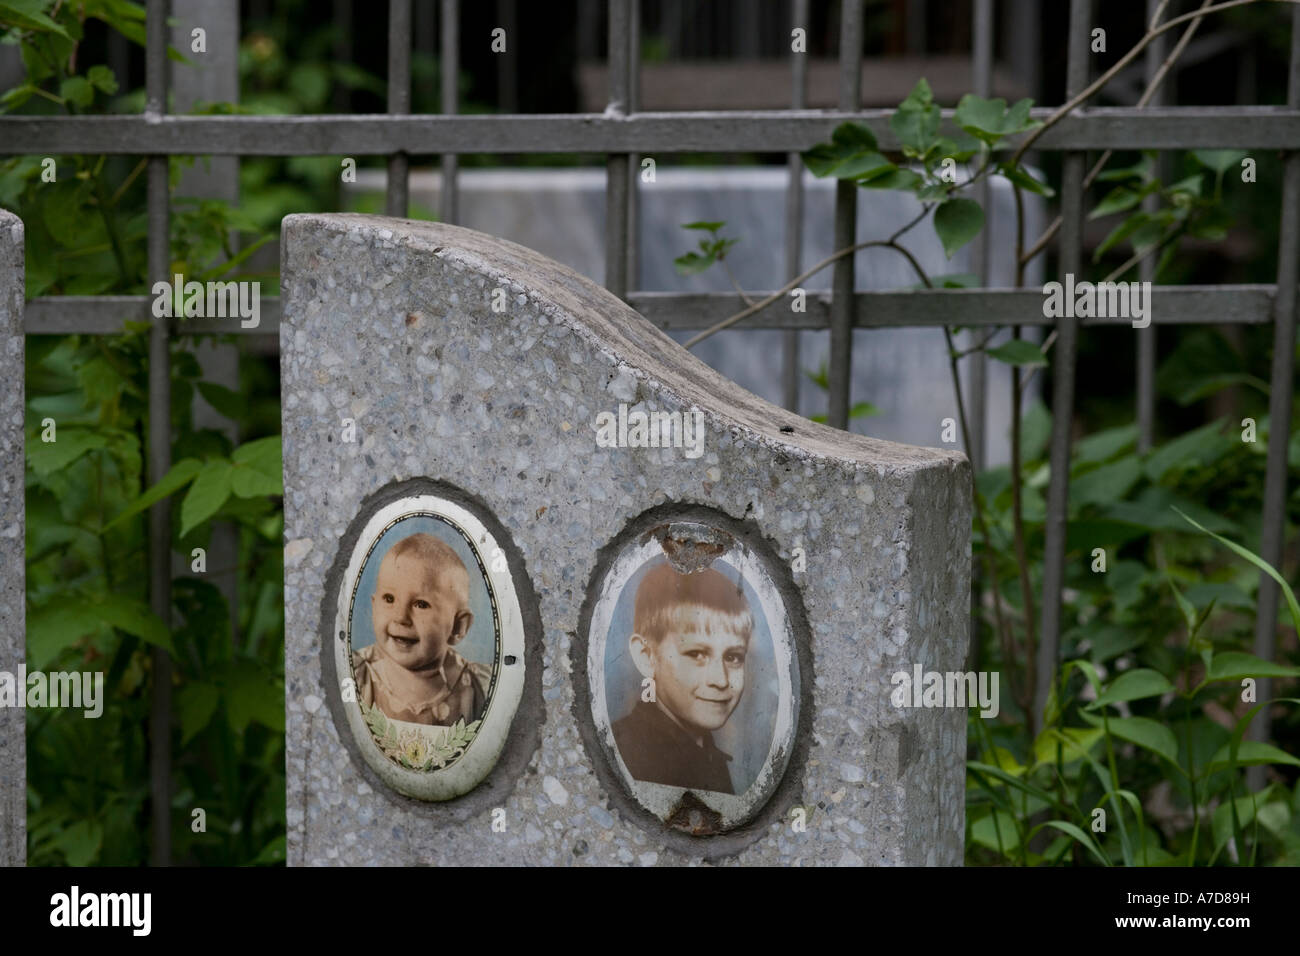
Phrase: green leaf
pixel 175 479
pixel 69 444
pixel 1219 160
pixel 195 704
pixel 692 263
pixel 135 617
pixel 985 832
pixel 1020 176
pixel 1119 199
pixel 1129 225
pixel 102 79
pixel 916 121
pixel 1019 352
pixel 1234 665
pixel 1250 754
pixel 990 120
pixel 1133 685
pixel 252 695
pixel 704 226
pixel 1079 837
pixel 271 854
pixel 1259 563
pixel 863 410
pixel 78 91
pixel 864 166
pixel 903 179
pixel 30 15
pixel 56 626
pixel 1144 168
pixel 257 468
pixel 1149 734
pixel 80 842
pixel 1105 484
pixel 957 222
pixel 1106 444
pixel 847 141
pixel 853 138
pixel 1245 811
pixel 1192 448
pixel 208 493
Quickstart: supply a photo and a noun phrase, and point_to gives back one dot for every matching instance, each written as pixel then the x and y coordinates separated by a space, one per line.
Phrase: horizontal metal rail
pixel 682 311
pixel 760 131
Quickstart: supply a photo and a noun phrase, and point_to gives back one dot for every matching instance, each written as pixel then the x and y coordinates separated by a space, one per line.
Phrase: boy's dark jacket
pixel 656 750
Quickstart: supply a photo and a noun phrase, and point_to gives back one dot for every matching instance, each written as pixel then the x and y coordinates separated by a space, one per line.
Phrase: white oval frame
pixel 469 769
pixel 660 799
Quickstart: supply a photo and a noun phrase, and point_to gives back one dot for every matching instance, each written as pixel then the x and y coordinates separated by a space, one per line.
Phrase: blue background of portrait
pixel 747 734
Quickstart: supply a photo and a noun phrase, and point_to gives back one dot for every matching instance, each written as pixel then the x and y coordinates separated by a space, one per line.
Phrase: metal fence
pixel 623 134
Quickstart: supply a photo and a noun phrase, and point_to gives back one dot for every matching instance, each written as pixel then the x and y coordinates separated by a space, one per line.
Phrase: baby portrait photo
pixel 424 639
pixel 690 686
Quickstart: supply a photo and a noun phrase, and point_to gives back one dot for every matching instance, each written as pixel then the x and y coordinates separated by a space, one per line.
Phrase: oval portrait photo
pixel 694 682
pixel 430 647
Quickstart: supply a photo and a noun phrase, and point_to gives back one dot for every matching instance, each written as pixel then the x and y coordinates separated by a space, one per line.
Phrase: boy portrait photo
pixel 690 679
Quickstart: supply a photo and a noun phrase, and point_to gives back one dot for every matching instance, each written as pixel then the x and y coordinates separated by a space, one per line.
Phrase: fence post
pixel 213 77
pixel 1279 408
pixel 618 171
pixel 794 212
pixel 840 360
pixel 1067 332
pixel 160 446
pixel 450 66
pixel 398 194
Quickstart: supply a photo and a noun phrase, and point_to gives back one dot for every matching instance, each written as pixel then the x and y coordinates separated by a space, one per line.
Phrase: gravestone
pixel 13 744
pixel 902 371
pixel 557 592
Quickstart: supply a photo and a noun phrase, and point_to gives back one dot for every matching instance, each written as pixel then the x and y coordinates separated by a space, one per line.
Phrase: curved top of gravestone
pixel 617 329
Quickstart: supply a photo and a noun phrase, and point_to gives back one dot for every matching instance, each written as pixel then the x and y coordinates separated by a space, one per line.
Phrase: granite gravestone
pixel 700 598
pixel 13 744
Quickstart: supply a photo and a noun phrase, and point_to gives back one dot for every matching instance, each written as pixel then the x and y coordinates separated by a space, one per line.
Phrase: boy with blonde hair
pixel 690 638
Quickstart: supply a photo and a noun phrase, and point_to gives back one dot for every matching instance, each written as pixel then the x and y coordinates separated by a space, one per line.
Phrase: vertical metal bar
pixel 1022 23
pixel 342 51
pixel 982 84
pixel 397 197
pixel 846 228
pixel 160 448
pixel 450 102
pixel 507 76
pixel 1146 338
pixel 633 159
pixel 915 29
pixel 617 170
pixel 1067 334
pixel 216 81
pixel 794 212
pixel 1279 402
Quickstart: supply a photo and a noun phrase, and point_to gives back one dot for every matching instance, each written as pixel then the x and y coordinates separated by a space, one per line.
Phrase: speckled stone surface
pixel 390 323
pixel 13 744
